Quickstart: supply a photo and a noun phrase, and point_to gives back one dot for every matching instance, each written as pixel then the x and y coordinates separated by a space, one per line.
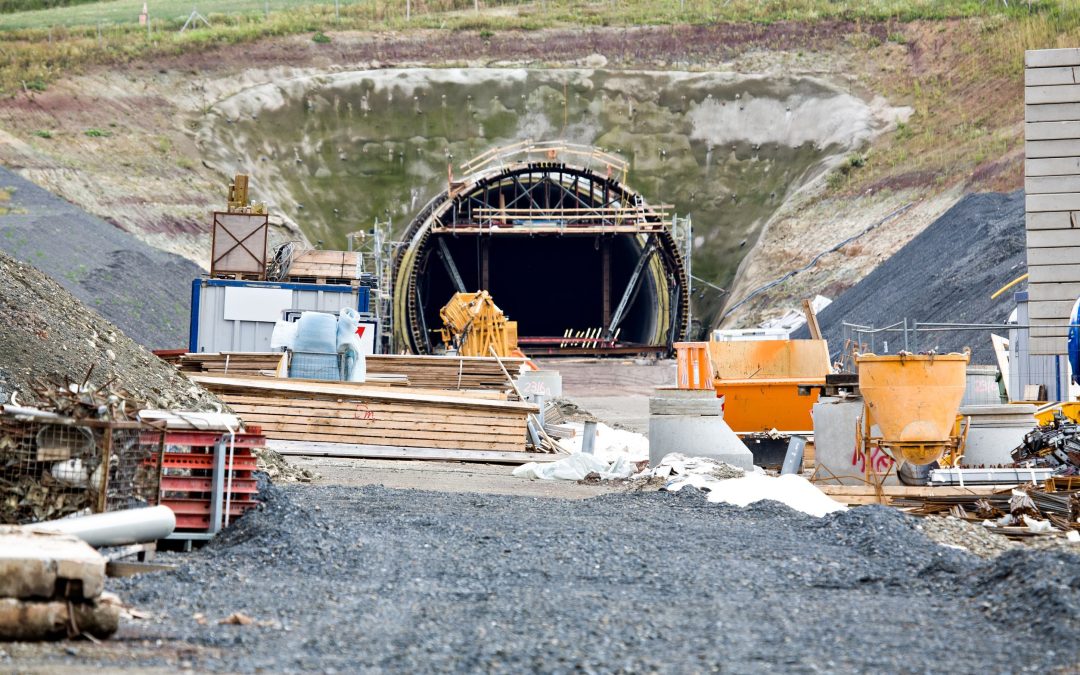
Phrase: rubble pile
pixel 48 333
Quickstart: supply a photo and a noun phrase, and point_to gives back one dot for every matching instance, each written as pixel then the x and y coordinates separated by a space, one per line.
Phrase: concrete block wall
pixel 1052 188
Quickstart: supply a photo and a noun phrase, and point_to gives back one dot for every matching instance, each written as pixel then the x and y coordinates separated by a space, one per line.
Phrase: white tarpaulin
pixel 795 491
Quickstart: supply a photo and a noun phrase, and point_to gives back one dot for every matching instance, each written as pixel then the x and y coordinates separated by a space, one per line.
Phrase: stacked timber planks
pixel 423 372
pixel 446 372
pixel 342 412
pixel 232 363
pixel 1052 187
pixel 338 266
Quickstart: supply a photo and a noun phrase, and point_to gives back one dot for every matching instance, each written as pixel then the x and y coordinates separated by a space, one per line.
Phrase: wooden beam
pixel 359 391
pixel 316 449
pixel 811 320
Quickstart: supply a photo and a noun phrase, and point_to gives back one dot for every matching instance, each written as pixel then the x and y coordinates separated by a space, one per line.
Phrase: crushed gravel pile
pixel 945 274
pixel 49 335
pixel 378 580
pixel 143 290
pixel 979 540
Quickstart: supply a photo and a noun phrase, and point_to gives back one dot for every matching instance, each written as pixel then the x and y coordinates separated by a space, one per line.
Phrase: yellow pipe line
pixel 1009 285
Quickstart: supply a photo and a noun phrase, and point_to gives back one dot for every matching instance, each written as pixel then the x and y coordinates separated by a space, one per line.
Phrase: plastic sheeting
pixel 576 467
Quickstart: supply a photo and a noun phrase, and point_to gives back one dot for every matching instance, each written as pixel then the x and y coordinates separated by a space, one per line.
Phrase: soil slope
pixel 143 290
pixel 945 274
pixel 48 334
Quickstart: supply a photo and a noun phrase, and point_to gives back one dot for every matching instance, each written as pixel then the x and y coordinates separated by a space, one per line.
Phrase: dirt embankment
pixel 145 291
pixel 121 141
pixel 49 335
pixel 945 274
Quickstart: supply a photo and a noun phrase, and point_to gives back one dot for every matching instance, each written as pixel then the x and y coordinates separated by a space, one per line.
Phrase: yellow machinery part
pixel 473 325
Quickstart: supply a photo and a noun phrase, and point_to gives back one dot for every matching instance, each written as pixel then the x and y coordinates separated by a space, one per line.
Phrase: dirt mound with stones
pixel 48 335
pixel 945 274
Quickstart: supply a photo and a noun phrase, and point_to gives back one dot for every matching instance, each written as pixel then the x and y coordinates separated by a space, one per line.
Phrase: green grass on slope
pixel 12 6
pixel 544 13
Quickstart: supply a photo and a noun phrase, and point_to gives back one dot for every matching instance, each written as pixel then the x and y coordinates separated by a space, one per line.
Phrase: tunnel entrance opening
pixel 553 286
pixel 580 261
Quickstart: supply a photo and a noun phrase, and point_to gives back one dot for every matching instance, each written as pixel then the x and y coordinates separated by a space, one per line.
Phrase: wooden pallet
pixel 341 412
pixel 324 265
pixel 446 372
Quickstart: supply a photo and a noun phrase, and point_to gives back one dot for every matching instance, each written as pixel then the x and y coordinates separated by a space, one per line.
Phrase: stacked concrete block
pixel 691 422
pixel 995 431
pixel 836 425
pixel 51 587
pixel 1052 187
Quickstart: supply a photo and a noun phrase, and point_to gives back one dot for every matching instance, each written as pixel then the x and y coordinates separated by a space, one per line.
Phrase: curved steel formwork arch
pixel 576 257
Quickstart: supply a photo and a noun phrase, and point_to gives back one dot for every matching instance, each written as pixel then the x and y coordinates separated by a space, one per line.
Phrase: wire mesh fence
pixel 1004 347
pixel 53 466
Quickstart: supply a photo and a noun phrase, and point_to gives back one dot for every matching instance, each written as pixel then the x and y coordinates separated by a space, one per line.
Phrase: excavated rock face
pixel 334 151
pixel 49 335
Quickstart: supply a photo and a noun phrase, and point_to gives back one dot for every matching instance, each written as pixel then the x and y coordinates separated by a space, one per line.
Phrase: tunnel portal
pixel 577 258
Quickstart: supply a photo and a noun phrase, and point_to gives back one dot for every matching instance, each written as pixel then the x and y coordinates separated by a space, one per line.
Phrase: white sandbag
pixel 284 334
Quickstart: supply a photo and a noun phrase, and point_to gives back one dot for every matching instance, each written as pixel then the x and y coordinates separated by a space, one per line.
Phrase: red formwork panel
pixel 188 475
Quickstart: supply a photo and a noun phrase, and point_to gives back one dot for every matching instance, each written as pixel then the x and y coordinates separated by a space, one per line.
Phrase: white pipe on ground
pixel 116 528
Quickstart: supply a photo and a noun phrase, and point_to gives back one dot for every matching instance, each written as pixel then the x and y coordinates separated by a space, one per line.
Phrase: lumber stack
pixel 1052 188
pixel 240 364
pixel 342 412
pixel 446 372
pixel 321 266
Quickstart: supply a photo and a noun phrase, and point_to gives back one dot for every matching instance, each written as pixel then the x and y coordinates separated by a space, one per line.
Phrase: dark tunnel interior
pixel 547 283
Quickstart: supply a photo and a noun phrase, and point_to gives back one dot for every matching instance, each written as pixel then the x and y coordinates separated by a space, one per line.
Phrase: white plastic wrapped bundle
pixel 348 343
pixel 316 333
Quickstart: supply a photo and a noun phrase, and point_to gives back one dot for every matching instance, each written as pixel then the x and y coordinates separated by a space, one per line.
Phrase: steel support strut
pixel 631 287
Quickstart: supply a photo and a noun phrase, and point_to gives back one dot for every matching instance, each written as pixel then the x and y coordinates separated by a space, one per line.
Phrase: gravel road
pixel 379 580
pixel 945 274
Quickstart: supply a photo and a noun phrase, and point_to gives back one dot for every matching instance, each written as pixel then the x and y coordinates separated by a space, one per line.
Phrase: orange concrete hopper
pixel 913 399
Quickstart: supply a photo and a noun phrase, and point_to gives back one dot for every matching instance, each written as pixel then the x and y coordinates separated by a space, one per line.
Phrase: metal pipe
pixel 116 528
pixel 588 438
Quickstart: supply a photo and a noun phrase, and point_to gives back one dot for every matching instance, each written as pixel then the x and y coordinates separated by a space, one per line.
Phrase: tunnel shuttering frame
pixel 580 260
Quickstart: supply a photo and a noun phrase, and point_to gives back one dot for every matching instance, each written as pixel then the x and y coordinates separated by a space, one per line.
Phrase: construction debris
pixel 51 587
pixel 1055 445
pixel 82 452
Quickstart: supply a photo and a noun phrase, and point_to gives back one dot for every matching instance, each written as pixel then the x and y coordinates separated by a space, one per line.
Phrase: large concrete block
pixel 40 565
pixel 696 436
pixel 995 431
pixel 685 402
pixel 835 424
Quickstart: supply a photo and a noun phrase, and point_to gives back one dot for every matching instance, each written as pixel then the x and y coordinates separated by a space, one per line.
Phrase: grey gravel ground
pixel 379 580
pixel 945 274
pixel 144 291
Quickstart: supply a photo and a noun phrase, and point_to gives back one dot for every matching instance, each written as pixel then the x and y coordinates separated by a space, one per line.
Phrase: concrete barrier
pixel 692 422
